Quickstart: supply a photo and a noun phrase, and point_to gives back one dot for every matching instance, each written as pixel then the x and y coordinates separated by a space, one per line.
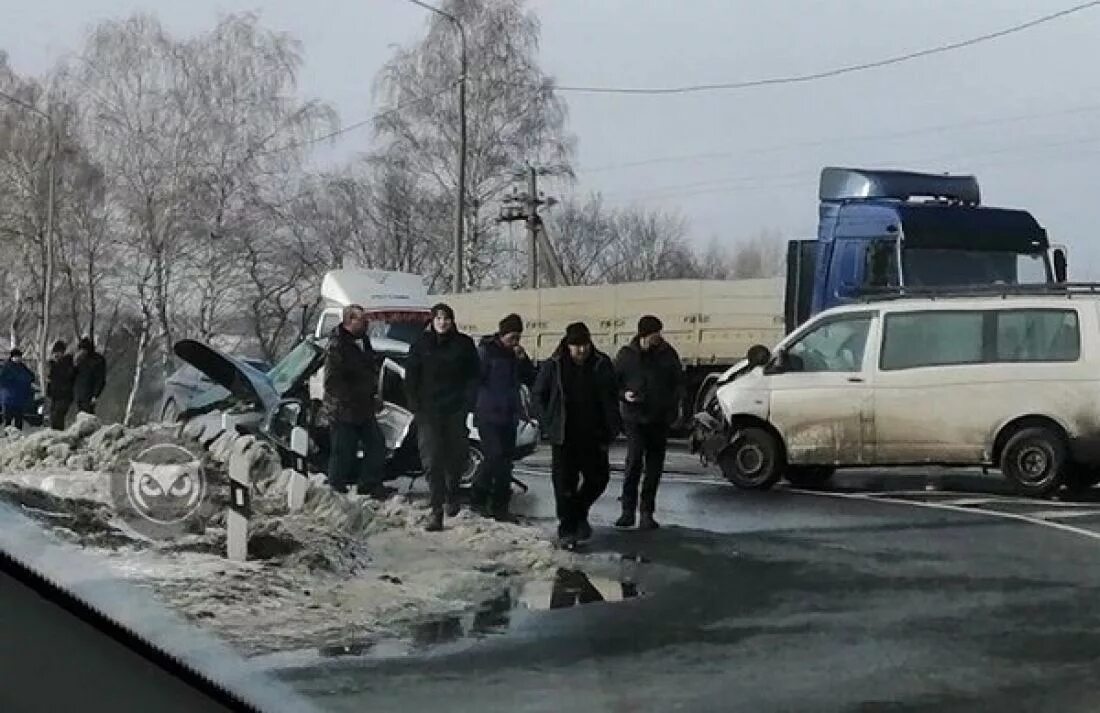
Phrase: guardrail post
pixel 240 503
pixel 299 479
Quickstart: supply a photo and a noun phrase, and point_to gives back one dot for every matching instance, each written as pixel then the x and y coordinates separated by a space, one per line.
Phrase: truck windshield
pixel 926 267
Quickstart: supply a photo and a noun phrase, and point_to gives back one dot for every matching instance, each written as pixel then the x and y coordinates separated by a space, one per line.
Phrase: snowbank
pixel 343 568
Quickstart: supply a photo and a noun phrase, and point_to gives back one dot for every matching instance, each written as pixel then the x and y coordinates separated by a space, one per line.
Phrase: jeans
pixel 444 453
pixel 645 444
pixel 580 471
pixel 345 467
pixel 494 483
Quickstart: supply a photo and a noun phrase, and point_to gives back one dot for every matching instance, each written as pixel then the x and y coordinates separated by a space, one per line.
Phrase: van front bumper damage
pixel 709 437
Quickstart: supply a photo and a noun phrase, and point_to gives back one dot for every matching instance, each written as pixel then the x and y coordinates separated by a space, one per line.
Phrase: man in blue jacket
pixel 505 367
pixel 16 389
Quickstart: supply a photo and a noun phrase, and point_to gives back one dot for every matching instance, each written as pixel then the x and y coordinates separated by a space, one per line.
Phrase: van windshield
pixel 937 267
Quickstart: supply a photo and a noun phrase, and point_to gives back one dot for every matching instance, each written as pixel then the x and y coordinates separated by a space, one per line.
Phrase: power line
pixel 360 124
pixel 916 131
pixel 849 69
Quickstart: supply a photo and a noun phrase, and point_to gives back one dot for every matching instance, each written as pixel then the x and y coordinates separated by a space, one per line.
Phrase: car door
pixel 394 419
pixel 820 384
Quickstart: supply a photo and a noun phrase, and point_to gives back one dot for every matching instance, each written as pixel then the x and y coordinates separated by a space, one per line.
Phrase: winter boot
pixel 452 509
pixel 627 518
pixel 646 522
pixel 435 522
pixel 584 531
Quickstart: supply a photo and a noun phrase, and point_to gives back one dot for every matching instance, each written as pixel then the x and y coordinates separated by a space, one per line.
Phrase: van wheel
pixel 753 460
pixel 1034 460
pixel 809 476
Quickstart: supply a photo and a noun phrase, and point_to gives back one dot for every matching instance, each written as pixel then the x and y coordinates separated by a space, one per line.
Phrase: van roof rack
pixel 1059 289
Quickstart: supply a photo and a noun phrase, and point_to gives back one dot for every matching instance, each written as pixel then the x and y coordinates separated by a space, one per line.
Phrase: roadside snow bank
pixel 344 567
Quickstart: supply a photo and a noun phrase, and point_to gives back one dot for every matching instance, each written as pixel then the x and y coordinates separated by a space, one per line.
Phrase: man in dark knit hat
pixel 89 375
pixel 651 383
pixel 441 381
pixel 505 367
pixel 577 400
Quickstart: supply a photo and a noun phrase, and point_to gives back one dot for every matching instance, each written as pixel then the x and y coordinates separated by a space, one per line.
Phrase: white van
pixel 1010 381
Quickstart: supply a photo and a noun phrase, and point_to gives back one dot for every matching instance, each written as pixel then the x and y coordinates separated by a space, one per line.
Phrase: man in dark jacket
pixel 351 402
pixel 59 384
pixel 16 389
pixel 577 400
pixel 89 375
pixel 505 366
pixel 651 386
pixel 441 380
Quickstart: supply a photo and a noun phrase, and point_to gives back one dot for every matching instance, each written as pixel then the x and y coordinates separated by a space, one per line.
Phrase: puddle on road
pixel 567 588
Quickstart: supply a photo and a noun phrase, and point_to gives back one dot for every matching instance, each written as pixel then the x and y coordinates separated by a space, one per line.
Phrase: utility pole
pixel 460 199
pixel 525 207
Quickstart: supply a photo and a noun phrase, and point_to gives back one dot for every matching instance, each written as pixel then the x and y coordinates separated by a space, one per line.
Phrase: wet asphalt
pixel 905 592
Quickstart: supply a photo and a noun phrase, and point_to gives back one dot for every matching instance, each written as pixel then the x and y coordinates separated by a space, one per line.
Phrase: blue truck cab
pixel 881 230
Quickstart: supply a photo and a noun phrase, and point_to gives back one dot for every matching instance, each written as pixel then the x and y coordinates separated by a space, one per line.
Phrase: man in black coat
pixel 441 381
pixel 89 375
pixel 505 368
pixel 59 384
pixel 651 383
pixel 577 400
pixel 351 402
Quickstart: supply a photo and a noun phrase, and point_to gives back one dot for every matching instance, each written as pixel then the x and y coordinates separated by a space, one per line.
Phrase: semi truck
pixel 877 230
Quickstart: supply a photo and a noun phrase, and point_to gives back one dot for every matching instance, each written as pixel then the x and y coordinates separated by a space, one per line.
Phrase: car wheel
pixel 475 459
pixel 1034 461
pixel 809 476
pixel 753 460
pixel 171 412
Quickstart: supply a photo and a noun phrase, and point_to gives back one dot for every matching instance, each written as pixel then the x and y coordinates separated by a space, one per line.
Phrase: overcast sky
pixel 1021 112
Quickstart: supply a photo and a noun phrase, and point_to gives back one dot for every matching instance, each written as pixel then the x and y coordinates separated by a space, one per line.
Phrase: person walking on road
pixel 351 403
pixel 89 376
pixel 60 376
pixel 441 381
pixel 577 400
pixel 651 383
pixel 16 389
pixel 505 367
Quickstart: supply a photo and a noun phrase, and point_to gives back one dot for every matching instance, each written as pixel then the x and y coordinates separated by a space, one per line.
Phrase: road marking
pixel 1081 532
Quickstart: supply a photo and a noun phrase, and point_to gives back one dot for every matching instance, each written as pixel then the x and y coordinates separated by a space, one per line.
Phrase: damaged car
pixel 1006 382
pixel 273 404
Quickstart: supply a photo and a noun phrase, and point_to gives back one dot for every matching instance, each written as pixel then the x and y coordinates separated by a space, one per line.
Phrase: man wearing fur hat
pixel 576 397
pixel 441 381
pixel 651 383
pixel 505 367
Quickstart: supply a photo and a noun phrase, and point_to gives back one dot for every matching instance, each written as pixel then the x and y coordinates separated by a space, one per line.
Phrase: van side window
pixel 1038 335
pixel 836 345
pixel 914 339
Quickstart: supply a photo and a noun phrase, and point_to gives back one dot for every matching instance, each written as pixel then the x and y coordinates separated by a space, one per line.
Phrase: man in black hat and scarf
pixel 577 400
pixel 441 380
pixel 505 368
pixel 651 383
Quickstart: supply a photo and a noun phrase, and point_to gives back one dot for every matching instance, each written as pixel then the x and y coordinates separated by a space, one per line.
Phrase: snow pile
pixel 342 568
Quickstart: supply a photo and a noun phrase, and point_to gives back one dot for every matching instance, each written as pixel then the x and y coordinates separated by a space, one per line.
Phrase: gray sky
pixel 1021 112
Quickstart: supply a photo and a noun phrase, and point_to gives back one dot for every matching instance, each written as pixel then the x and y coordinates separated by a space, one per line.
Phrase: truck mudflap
pixel 709 437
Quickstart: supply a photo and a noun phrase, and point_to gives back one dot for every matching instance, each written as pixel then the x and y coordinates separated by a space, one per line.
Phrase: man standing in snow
pixel 441 380
pixel 577 401
pixel 16 389
pixel 505 367
pixel 351 403
pixel 59 384
pixel 89 377
pixel 651 386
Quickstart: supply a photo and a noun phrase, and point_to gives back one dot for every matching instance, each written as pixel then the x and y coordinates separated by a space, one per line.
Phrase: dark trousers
pixel 580 470
pixel 494 483
pixel 86 405
pixel 12 417
pixel 645 445
pixel 345 467
pixel 59 411
pixel 444 453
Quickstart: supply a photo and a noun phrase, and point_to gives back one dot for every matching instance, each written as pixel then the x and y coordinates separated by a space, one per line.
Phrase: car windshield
pixel 290 369
pixel 923 267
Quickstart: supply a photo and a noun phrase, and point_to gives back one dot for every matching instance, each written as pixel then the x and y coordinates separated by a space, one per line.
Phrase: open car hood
pixel 238 378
